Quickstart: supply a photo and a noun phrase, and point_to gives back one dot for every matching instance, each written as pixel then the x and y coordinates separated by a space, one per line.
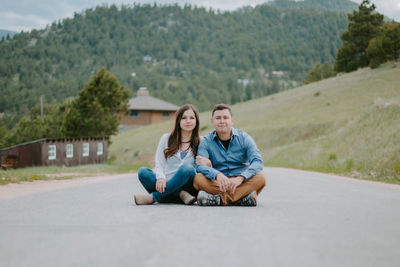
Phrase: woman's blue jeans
pixel 182 180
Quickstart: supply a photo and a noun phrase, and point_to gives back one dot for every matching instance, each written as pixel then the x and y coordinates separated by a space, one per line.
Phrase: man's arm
pixel 208 171
pixel 254 157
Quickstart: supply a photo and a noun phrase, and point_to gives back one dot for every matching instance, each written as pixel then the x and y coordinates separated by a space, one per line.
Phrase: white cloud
pixel 18 22
pixel 390 8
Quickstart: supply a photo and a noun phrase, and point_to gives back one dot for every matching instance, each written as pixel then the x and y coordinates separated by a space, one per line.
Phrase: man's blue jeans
pixel 182 180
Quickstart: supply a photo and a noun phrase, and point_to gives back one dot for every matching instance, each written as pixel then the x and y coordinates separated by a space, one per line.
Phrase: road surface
pixel 302 219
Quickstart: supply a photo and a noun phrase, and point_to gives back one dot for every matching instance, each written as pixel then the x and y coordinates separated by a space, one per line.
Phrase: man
pixel 234 177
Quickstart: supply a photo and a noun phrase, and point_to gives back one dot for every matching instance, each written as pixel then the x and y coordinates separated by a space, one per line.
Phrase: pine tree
pixel 3 134
pixel 391 40
pixel 25 130
pixel 363 26
pixel 386 46
pixel 375 52
pixel 96 110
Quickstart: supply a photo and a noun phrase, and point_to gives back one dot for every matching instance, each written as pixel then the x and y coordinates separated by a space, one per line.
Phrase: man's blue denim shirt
pixel 242 158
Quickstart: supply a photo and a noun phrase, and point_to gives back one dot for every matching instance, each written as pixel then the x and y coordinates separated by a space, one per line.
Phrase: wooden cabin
pixel 145 109
pixel 46 152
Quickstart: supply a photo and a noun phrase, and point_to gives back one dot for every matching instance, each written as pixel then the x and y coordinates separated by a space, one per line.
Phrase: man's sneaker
pixel 249 200
pixel 206 199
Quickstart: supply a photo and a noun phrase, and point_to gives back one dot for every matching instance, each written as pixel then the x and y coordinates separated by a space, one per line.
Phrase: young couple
pixel 228 164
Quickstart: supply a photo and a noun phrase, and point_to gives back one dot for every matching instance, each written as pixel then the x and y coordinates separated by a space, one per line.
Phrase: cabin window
pixel 85 149
pixel 99 149
pixel 52 152
pixel 134 114
pixel 69 148
pixel 166 114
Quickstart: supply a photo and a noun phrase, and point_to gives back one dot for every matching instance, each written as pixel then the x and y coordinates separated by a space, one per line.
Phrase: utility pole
pixel 41 106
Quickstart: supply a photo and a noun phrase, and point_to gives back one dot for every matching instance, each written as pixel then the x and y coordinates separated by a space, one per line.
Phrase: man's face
pixel 222 121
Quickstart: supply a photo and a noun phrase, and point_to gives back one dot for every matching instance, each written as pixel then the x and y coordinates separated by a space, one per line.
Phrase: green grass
pixel 60 173
pixel 348 124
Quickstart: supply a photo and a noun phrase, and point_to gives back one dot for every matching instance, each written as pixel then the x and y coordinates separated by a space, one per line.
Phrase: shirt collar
pixel 215 136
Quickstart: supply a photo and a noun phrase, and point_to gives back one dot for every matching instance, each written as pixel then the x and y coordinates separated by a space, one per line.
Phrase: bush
pixel 332 157
pixel 349 164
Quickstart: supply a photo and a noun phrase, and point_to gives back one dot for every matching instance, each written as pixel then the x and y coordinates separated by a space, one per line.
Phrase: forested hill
pixel 182 54
pixel 337 5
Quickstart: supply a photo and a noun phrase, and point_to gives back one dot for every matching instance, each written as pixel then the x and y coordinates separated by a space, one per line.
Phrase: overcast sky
pixel 17 15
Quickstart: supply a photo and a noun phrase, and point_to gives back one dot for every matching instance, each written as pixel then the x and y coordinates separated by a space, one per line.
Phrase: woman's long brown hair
pixel 175 137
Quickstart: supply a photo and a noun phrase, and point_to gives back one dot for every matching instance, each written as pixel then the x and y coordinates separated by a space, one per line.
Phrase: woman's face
pixel 188 121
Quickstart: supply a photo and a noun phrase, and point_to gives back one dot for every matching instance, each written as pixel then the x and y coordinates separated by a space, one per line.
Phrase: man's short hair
pixel 221 107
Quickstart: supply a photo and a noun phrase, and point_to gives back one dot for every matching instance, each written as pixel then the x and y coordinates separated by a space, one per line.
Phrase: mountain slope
pixel 348 124
pixel 337 5
pixel 197 55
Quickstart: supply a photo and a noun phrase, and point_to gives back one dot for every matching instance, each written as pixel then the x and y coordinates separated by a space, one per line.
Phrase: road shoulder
pixel 13 190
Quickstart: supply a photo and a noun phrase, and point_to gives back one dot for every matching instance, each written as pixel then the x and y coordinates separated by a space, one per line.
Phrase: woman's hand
pixel 161 183
pixel 203 161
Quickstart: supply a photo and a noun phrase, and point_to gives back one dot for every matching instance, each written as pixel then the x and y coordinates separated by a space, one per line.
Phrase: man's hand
pixel 161 183
pixel 224 182
pixel 203 161
pixel 234 183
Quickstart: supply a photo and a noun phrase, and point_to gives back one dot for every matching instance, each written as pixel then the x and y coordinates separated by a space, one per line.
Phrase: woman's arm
pixel 160 160
pixel 203 161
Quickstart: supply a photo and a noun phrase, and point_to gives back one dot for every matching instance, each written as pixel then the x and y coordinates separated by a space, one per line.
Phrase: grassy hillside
pixel 349 124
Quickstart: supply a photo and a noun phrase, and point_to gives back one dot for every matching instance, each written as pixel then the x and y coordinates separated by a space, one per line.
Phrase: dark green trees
pixel 3 134
pixel 32 126
pixel 188 45
pixel 363 26
pixel 320 72
pixel 386 46
pixel 96 110
pixel 391 40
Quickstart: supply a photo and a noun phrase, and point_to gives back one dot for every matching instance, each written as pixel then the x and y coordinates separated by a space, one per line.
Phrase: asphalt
pixel 302 219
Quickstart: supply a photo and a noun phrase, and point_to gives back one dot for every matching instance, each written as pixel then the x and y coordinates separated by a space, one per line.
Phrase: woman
pixel 174 162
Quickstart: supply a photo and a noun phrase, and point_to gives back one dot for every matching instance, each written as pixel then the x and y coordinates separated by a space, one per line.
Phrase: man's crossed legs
pixel 242 195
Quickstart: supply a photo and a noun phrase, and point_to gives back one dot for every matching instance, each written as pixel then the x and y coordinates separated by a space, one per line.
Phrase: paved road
pixel 303 219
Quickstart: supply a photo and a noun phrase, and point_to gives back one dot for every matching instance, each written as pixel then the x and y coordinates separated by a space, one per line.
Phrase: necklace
pixel 187 149
pixel 182 147
pixel 185 142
